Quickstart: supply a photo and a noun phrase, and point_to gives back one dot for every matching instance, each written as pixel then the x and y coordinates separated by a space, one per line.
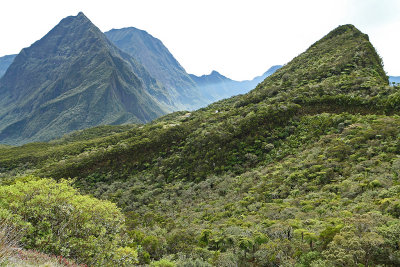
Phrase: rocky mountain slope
pixel 75 78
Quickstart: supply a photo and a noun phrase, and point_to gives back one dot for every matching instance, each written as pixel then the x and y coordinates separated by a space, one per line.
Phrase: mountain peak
pixel 80 18
pixel 74 78
pixel 215 73
pixel 70 33
pixel 347 30
pixel 343 62
pixel 130 30
pixel 343 29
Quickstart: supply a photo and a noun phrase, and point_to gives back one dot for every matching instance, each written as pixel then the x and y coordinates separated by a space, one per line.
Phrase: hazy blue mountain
pixel 216 86
pixel 75 78
pixel 5 62
pixel 253 83
pixel 395 79
pixel 213 78
pixel 160 63
pixel 189 91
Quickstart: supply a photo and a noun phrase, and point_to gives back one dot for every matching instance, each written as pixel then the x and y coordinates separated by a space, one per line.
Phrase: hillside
pixel 74 78
pixel 160 63
pixel 5 62
pixel 301 171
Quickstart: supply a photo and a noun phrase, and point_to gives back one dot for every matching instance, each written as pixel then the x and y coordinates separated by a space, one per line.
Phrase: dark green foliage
pixel 343 62
pixel 302 171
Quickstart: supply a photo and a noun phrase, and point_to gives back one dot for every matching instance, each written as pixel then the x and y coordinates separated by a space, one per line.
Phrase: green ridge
pixel 301 171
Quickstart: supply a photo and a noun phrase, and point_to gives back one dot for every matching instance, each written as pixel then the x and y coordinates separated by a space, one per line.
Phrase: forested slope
pixel 303 170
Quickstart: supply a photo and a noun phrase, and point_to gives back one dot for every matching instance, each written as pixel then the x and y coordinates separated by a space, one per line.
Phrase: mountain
pixel 253 83
pixel 189 90
pixel 317 81
pixel 5 62
pixel 160 63
pixel 75 78
pixel 216 86
pixel 395 79
pixel 301 171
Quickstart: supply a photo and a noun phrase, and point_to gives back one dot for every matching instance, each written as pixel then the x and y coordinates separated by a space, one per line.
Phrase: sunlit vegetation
pixel 55 218
pixel 302 171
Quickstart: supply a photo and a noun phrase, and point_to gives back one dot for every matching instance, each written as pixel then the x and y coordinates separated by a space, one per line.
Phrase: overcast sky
pixel 240 39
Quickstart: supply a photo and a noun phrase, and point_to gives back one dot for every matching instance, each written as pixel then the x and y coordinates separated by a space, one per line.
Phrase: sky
pixel 239 39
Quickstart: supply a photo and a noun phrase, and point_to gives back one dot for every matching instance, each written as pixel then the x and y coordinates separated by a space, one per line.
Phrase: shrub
pixel 64 222
pixel 163 263
pixel 125 256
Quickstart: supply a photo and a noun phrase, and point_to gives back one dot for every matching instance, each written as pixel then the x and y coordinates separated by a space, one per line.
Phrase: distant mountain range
pixel 5 62
pixel 191 91
pixel 75 78
pixel 216 86
pixel 160 63
pixel 187 90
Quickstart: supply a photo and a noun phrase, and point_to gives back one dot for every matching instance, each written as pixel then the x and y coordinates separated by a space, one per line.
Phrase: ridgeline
pixel 303 170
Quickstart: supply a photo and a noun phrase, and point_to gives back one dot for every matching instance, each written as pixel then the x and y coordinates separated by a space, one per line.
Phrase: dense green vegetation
pixel 302 171
pixel 55 218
